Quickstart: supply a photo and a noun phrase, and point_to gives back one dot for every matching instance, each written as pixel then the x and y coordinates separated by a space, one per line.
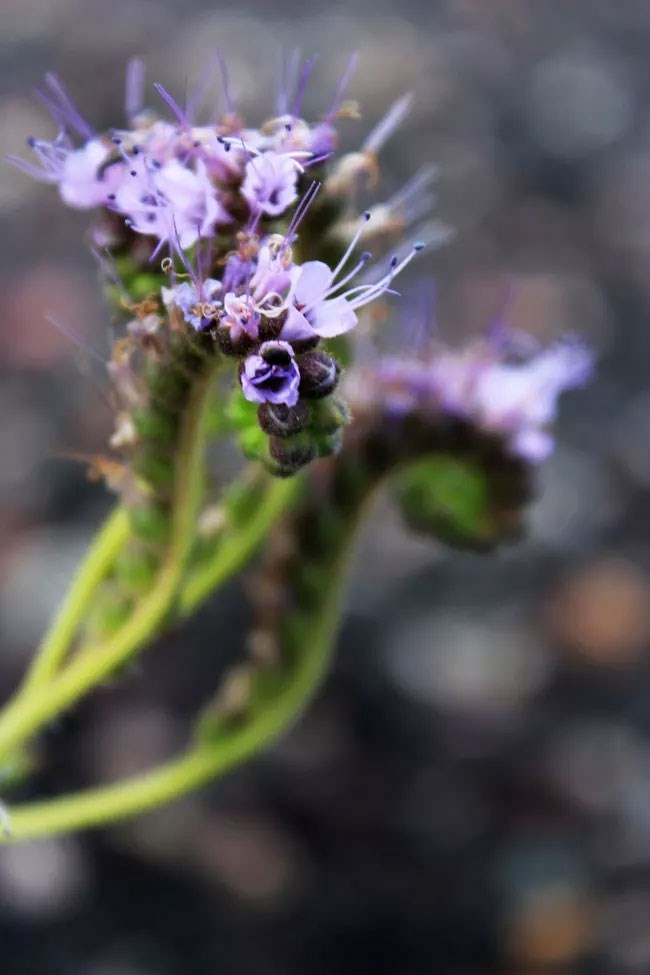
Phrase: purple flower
pixel 170 200
pixel 517 400
pixel 272 375
pixel 315 308
pixel 240 316
pixel 312 310
pixel 274 267
pixel 196 300
pixel 82 182
pixel 521 399
pixel 270 183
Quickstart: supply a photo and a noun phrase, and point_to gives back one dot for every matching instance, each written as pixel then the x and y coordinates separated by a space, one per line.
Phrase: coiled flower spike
pixel 232 258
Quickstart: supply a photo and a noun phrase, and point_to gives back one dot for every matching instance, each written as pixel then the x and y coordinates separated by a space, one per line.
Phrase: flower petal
pixel 333 317
pixel 314 280
pixel 296 327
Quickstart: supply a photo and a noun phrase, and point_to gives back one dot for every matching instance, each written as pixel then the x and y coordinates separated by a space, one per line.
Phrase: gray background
pixel 471 792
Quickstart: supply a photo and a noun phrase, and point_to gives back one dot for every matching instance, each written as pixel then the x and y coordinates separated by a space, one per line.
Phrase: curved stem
pixel 134 796
pixel 235 547
pixel 23 717
pixel 90 574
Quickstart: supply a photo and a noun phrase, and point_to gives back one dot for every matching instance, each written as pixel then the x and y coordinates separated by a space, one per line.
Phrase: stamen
pixel 63 108
pixel 272 305
pixel 301 211
pixel 69 334
pixel 317 159
pixel 197 95
pixel 288 75
pixel 363 260
pixel 353 243
pixel 173 104
pixel 225 83
pixel 307 69
pixel 107 265
pixel 391 120
pixel 134 88
pixel 343 83
pixel 368 293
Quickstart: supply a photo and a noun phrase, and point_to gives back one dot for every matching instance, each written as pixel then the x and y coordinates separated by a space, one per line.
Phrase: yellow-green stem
pixel 236 547
pixel 96 807
pixel 23 717
pixel 91 573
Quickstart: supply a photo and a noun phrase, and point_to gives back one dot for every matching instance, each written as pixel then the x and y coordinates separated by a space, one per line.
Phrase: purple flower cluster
pixel 268 299
pixel 183 184
pixel 515 398
pixel 177 177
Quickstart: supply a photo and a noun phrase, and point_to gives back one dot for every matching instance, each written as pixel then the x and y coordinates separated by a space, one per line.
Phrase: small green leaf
pixel 450 498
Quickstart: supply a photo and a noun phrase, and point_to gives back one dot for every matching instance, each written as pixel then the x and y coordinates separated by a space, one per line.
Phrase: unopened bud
pixel 279 420
pixel 243 345
pixel 156 470
pixel 329 415
pixel 151 523
pixel 329 444
pixel 319 374
pixel 294 452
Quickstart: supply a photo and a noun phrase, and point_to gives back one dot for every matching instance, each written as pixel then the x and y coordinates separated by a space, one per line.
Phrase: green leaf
pixel 450 498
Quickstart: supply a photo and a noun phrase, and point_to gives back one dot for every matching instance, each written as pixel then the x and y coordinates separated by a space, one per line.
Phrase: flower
pixel 84 182
pixel 520 400
pixel 272 375
pixel 170 200
pixel 196 300
pixel 240 316
pixel 270 183
pixel 315 308
pixel 515 399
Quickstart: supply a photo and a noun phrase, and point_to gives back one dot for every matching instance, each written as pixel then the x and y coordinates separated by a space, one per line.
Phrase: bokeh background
pixel 471 792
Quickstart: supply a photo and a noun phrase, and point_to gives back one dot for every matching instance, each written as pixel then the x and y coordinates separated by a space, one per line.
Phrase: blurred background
pixel 471 792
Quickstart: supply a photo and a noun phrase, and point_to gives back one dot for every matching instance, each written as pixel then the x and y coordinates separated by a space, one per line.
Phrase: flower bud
pixel 155 424
pixel 234 347
pixel 319 374
pixel 329 415
pixel 136 569
pixel 157 470
pixel 279 420
pixel 329 444
pixel 293 452
pixel 151 523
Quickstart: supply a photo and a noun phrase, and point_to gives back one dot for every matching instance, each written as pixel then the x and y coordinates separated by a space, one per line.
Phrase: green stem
pixel 236 546
pixel 90 574
pixel 134 796
pixel 23 717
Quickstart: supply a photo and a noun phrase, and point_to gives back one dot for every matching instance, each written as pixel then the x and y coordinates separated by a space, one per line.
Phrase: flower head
pixel 483 385
pixel 220 200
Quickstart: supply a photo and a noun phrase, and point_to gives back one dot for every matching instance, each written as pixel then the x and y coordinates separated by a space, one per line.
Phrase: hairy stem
pixel 297 601
pixel 238 543
pixel 206 761
pixel 90 574
pixel 22 718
